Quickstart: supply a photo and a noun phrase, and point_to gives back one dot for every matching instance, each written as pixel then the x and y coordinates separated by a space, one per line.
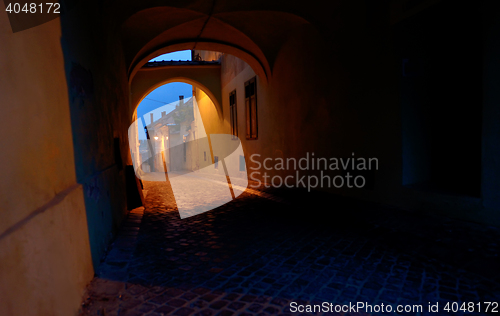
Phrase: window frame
pixel 251 109
pixel 233 113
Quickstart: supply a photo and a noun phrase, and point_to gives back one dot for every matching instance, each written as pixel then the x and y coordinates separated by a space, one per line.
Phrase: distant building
pixel 169 139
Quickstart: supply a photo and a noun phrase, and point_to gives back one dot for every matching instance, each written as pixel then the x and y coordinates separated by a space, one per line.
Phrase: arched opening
pixel 192 134
pixel 153 31
pixel 163 69
pixel 166 121
pixel 136 101
pixel 262 69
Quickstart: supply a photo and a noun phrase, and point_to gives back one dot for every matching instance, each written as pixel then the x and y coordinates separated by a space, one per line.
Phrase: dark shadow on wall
pixel 95 94
pixel 441 60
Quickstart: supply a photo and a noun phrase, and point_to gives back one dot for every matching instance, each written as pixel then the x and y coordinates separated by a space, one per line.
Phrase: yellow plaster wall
pixel 45 259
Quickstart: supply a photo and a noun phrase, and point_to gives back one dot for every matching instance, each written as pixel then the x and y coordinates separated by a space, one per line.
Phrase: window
pixel 233 113
pixel 251 108
pixel 216 162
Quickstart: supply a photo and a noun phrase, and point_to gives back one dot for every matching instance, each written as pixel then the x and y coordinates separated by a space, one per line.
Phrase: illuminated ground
pixel 254 256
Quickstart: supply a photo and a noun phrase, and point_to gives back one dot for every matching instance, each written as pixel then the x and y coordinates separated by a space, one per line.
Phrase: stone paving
pixel 255 255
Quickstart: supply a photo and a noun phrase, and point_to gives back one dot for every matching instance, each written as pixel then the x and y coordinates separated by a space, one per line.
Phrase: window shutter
pixel 247 107
pixel 253 110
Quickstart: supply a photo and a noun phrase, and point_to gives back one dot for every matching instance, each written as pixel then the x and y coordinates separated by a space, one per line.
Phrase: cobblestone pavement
pixel 254 255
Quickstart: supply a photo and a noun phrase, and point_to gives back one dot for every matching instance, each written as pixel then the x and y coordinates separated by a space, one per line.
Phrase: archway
pixel 145 84
pixel 151 31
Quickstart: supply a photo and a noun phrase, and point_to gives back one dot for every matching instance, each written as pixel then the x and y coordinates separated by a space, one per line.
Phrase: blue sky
pixel 180 55
pixel 167 93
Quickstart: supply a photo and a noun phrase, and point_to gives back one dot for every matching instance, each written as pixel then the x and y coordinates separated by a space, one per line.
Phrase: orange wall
pixel 45 258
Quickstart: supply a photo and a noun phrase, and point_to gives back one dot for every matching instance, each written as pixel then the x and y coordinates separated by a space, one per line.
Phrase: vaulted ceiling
pixel 251 30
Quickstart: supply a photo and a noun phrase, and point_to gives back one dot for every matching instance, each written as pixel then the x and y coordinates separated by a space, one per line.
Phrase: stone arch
pixel 261 68
pixel 141 88
pixel 154 30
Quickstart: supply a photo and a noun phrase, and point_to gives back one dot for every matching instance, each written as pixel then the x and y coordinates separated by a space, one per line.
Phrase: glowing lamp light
pixel 156 137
